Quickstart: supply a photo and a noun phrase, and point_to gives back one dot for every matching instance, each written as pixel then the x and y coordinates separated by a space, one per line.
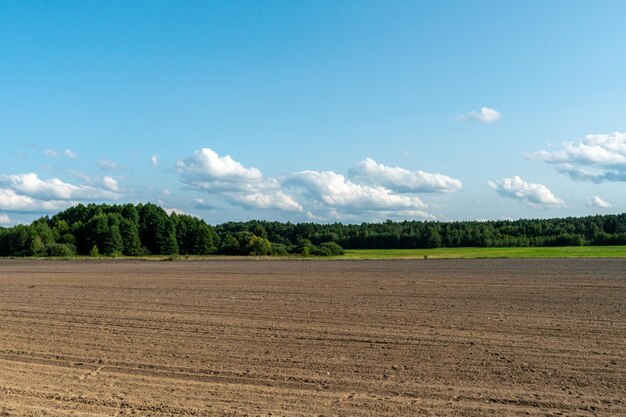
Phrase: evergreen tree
pixel 131 245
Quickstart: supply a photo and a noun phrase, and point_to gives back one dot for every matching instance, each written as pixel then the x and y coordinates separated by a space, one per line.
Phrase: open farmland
pixel 346 338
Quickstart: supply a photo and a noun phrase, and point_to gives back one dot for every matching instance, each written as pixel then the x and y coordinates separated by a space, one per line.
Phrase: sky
pixel 325 111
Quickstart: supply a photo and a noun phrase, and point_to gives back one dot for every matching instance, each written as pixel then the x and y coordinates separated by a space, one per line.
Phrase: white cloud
pixel 14 202
pixel 110 183
pixel 30 185
pixel 166 192
pixel 51 153
pixel 402 180
pixel 596 158
pixel 70 154
pixel 242 186
pixel 484 115
pixel 376 191
pixel 207 170
pixel 599 202
pixel 178 211
pixel 267 200
pixel 154 160
pixel 534 195
pixel 4 219
pixel 405 214
pixel 334 189
pixel 334 215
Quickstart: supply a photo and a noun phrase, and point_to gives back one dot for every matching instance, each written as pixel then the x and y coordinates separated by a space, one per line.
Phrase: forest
pixel 147 229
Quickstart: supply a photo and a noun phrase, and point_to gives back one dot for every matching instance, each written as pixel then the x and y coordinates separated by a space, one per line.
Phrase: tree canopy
pixel 147 229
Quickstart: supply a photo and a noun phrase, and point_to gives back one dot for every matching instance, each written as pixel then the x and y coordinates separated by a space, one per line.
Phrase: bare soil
pixel 313 338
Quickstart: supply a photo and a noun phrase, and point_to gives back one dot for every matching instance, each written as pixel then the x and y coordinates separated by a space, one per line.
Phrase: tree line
pixel 138 230
pixel 146 229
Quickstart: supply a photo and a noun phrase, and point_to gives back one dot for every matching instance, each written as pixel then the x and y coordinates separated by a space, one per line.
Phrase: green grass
pixel 476 253
pixel 439 253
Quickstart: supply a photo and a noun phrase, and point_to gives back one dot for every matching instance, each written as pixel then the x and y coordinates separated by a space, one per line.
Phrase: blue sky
pixel 314 111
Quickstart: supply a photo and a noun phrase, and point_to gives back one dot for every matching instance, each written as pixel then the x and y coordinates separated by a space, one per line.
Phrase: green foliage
pixel 37 247
pixel 147 229
pixel 16 241
pixel 493 252
pixel 279 249
pixel 258 246
pixel 94 252
pixel 60 250
pixel 156 230
pixel 433 238
pixel 194 236
pixel 333 248
pixel 229 246
pixel 304 247
pixel 103 232
pixel 131 244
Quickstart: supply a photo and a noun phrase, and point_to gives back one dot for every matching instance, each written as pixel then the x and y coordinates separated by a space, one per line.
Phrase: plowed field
pixel 311 338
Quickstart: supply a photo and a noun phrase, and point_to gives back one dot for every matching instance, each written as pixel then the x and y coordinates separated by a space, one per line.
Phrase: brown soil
pixel 336 338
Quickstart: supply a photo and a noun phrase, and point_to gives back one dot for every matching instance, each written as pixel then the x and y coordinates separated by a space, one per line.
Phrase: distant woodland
pixel 146 229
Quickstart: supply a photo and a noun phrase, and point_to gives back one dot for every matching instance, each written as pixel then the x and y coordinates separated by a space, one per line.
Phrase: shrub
pixel 94 252
pixel 320 251
pixel 258 246
pixel 333 247
pixel 60 250
pixel 278 249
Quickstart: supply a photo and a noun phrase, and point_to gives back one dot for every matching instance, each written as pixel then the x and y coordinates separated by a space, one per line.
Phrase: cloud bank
pixel 30 194
pixel 370 190
pixel 207 171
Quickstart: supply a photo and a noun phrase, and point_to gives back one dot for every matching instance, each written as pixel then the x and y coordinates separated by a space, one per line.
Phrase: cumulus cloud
pixel 596 158
pixel 5 219
pixel 207 170
pixel 31 185
pixel 110 183
pixel 371 190
pixel 267 200
pixel 154 160
pixel 14 202
pixel 337 215
pixel 180 212
pixel 334 189
pixel 484 115
pixel 532 194
pixel 240 185
pixel 402 180
pixel 598 202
